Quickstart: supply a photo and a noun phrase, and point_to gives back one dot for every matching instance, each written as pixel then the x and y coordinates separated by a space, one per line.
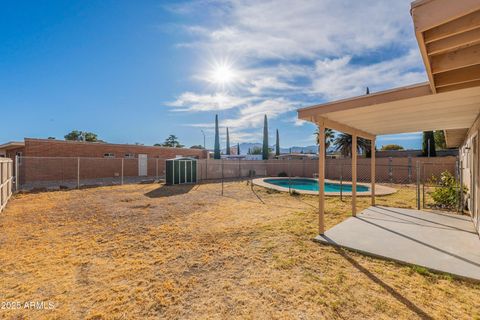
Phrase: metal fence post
pixel 289 178
pixel 17 172
pixel 390 169
pixel 409 169
pixel 121 182
pixel 78 172
pixel 418 185
pixel 222 176
pixel 457 179
pixel 460 170
pixel 341 182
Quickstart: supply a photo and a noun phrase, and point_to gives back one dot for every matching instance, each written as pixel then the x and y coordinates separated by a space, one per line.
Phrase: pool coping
pixel 380 190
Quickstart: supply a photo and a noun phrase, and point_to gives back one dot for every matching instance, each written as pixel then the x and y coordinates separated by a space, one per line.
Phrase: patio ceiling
pixel 448 35
pixel 403 110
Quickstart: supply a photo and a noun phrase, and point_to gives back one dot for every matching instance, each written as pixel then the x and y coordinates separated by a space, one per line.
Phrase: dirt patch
pixel 150 251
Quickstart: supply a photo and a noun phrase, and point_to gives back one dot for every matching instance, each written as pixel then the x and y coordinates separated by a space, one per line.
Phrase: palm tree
pixel 343 143
pixel 329 137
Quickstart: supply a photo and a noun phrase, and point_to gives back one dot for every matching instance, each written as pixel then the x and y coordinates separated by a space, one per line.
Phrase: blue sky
pixel 137 71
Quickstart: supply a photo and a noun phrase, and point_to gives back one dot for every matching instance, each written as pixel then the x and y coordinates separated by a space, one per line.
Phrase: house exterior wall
pixel 51 160
pixel 469 160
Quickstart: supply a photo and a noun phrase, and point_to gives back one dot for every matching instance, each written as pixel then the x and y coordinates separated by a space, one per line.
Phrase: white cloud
pixel 304 29
pixel 190 101
pixel 290 53
pixel 339 78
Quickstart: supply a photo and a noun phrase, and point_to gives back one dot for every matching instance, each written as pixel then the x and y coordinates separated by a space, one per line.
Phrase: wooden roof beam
pixel 417 90
pixel 459 86
pixel 327 123
pixel 455 42
pixel 463 24
pixel 458 76
pixel 457 59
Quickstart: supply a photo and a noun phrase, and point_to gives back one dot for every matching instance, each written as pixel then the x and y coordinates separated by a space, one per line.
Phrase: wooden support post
pixel 354 174
pixel 372 170
pixel 321 178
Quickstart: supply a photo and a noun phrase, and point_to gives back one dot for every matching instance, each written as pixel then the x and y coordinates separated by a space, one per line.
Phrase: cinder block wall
pixel 57 160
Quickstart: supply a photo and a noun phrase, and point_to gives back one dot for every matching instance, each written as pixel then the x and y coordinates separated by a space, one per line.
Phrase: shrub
pixel 283 174
pixel 447 194
pixel 294 193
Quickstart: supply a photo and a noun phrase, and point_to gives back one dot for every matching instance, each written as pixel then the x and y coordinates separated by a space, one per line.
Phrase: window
pixel 129 155
pixel 109 155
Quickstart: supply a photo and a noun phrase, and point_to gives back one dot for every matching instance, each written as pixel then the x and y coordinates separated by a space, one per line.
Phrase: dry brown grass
pixel 149 251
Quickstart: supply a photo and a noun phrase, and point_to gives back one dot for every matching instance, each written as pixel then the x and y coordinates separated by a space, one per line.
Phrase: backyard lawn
pixel 150 251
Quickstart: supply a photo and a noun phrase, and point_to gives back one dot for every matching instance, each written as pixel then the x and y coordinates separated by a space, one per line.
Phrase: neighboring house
pixel 298 156
pixel 232 157
pixel 55 158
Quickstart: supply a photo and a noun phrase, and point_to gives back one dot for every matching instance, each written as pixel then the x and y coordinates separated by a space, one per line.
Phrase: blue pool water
pixel 312 185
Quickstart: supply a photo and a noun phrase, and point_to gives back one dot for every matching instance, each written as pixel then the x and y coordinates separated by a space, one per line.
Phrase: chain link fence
pixel 33 173
pixel 417 184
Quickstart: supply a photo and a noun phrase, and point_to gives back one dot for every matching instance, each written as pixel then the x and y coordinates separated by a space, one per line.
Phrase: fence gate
pixel 6 181
pixel 441 186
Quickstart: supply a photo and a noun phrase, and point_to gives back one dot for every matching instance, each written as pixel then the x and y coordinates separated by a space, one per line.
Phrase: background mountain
pixel 244 147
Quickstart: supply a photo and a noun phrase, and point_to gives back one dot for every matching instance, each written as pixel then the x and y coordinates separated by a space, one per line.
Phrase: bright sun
pixel 222 74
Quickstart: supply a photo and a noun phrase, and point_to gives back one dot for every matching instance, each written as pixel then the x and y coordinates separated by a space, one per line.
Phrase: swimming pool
pixel 312 185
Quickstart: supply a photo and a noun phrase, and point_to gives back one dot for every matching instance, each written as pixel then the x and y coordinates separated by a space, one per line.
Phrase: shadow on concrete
pixel 169 191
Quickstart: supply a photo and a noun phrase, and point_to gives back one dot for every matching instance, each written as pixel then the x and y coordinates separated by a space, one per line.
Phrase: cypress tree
pixel 265 139
pixel 428 136
pixel 277 145
pixel 228 143
pixel 216 150
pixel 238 148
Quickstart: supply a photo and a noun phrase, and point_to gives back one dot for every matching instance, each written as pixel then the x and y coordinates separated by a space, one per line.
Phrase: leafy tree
pixel 439 137
pixel 76 135
pixel 329 138
pixel 172 142
pixel 265 152
pixel 216 150
pixel 238 148
pixel 277 145
pixel 255 150
pixel 197 146
pixel 228 143
pixel 51 138
pixel 368 147
pixel 389 147
pixel 343 144
pixel 428 141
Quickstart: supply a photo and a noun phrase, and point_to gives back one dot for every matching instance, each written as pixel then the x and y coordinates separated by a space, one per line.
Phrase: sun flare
pixel 222 74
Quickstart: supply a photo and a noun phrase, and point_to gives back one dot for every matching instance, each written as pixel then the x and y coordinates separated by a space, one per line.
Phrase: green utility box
pixel 181 171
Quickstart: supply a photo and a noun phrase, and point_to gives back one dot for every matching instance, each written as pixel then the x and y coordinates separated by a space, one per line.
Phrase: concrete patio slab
pixel 438 241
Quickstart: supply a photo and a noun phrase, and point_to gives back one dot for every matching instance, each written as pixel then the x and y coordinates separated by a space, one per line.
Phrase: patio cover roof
pixel 407 109
pixel 448 35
